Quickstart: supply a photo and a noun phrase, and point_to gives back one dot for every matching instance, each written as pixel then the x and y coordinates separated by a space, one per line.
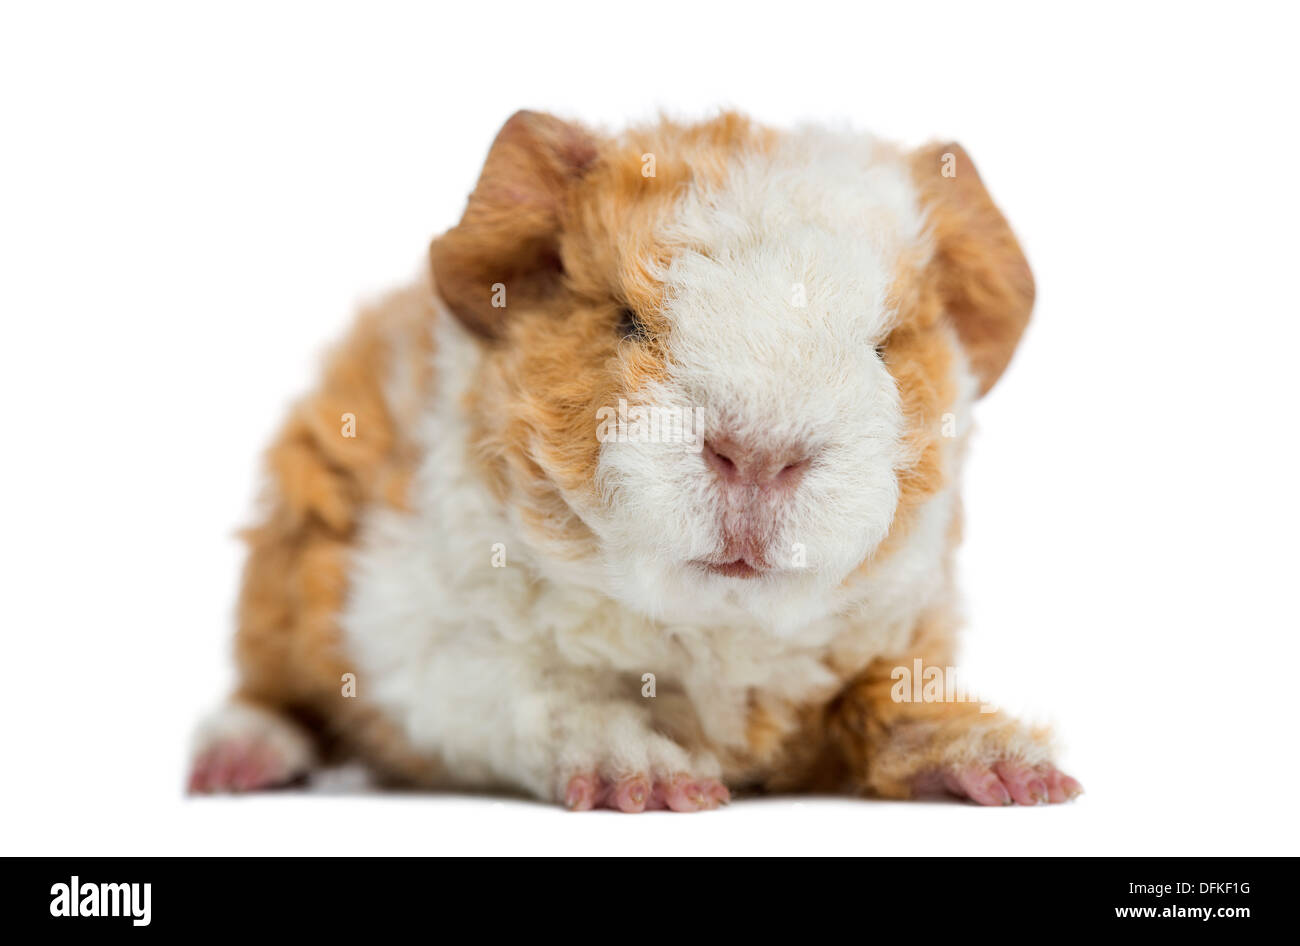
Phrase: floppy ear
pixel 509 234
pixel 982 275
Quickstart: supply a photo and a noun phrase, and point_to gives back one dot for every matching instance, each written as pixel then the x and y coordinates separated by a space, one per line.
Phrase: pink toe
pixel 631 794
pixel 716 791
pixel 1022 782
pixel 582 793
pixel 682 793
pixel 1060 787
pixel 981 786
pixel 1055 789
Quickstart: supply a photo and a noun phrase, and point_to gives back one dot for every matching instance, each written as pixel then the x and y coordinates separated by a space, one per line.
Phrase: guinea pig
pixel 646 490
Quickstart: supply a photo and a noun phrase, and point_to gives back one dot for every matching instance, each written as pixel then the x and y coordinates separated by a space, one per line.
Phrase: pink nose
pixel 746 466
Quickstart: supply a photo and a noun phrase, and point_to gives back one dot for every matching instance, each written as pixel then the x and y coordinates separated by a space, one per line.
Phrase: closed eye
pixel 630 324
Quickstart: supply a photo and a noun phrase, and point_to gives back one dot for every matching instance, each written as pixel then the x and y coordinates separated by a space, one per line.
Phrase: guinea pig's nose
pixel 738 463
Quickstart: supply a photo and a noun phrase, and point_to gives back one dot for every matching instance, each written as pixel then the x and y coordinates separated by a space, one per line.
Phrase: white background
pixel 195 198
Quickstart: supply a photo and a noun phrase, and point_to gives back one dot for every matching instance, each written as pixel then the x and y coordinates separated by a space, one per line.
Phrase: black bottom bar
pixel 645 898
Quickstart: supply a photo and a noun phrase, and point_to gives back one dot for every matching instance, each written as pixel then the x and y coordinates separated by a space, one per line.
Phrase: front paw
pixel 244 748
pixel 1006 782
pixel 640 792
pixel 613 757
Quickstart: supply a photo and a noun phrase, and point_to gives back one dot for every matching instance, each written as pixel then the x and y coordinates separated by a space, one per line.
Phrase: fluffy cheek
pixel 847 504
pixel 656 502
